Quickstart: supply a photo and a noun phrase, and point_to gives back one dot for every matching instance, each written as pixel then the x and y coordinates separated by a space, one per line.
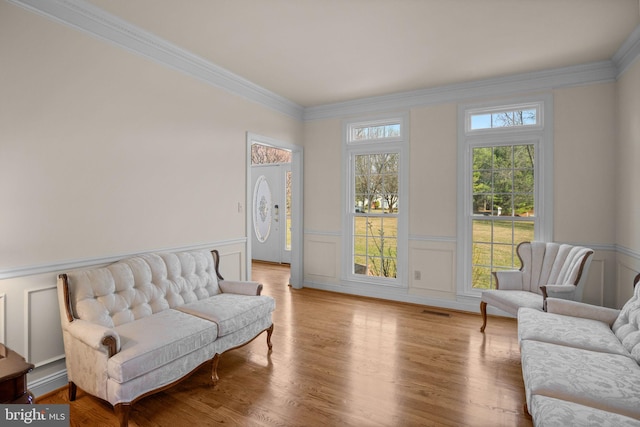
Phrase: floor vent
pixel 436 313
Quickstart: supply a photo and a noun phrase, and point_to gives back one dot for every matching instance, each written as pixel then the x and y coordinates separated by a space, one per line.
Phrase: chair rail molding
pixel 9 273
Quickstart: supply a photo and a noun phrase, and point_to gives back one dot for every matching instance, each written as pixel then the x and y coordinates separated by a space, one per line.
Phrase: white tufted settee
pixel 580 363
pixel 141 324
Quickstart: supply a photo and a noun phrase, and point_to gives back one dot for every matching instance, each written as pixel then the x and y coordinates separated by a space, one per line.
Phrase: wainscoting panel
pixel 432 269
pixel 320 258
pixel 231 265
pixel 43 345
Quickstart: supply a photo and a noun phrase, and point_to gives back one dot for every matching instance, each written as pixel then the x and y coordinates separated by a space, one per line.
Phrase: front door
pixel 270 241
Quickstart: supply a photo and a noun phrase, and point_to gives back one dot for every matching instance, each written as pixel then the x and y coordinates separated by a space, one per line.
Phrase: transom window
pixel 375 215
pixel 374 131
pixel 513 116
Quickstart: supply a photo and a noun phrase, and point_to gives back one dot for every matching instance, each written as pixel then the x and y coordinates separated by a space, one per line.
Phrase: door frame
pixel 297 274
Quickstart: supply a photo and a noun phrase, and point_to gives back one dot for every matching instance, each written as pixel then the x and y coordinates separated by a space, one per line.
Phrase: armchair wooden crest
pixel 547 270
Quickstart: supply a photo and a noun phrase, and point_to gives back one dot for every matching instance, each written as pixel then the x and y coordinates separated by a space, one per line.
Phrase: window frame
pixel 540 135
pixel 351 148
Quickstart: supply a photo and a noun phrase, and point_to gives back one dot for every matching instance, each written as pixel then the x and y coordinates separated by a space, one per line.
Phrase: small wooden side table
pixel 13 377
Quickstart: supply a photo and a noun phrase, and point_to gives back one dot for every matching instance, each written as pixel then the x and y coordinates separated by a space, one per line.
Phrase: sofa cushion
pixel 627 325
pixel 605 381
pixel 550 412
pixel 156 340
pixel 510 301
pixel 569 331
pixel 231 312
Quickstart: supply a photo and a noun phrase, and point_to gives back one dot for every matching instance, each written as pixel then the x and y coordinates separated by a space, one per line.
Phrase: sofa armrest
pixel 240 287
pixel 95 336
pixel 508 280
pixel 580 309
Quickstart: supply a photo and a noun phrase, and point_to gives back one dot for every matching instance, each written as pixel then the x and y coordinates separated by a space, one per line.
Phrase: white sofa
pixel 141 324
pixel 580 363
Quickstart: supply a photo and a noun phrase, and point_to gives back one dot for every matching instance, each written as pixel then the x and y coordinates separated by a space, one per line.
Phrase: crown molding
pixel 595 72
pixel 92 20
pixel 628 52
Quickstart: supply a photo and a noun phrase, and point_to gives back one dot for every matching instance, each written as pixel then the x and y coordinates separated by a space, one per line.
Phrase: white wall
pixel 584 176
pixel 105 153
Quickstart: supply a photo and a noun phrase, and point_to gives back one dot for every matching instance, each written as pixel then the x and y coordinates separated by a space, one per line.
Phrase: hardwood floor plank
pixel 348 361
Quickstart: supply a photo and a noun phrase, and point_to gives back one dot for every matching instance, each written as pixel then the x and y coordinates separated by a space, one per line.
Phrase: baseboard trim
pixel 48 384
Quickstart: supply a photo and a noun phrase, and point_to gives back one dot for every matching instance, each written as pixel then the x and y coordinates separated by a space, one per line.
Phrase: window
pixel 503 207
pixel 375 203
pixel 505 155
pixel 513 116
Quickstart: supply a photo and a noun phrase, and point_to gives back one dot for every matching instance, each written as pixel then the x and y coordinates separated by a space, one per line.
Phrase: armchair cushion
pixel 510 301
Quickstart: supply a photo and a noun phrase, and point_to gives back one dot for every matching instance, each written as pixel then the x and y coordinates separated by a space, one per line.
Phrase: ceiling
pixel 316 52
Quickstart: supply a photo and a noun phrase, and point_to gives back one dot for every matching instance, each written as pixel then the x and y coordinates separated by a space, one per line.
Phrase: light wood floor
pixel 340 360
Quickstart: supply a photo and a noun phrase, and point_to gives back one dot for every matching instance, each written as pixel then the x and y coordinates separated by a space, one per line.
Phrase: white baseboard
pixel 48 383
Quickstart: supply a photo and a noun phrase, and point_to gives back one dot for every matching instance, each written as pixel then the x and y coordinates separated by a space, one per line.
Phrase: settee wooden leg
pixel 122 411
pixel 73 389
pixel 214 369
pixel 483 310
pixel 269 332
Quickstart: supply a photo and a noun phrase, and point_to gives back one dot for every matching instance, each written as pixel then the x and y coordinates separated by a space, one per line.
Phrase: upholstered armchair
pixel 547 270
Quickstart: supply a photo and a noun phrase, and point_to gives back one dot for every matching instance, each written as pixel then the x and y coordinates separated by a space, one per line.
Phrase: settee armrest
pixel 95 336
pixel 508 279
pixel 240 287
pixel 580 309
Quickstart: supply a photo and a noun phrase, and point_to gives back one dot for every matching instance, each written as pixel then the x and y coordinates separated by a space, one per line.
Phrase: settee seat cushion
pixel 550 412
pixel 570 331
pixel 231 312
pixel 511 300
pixel 605 381
pixel 153 341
